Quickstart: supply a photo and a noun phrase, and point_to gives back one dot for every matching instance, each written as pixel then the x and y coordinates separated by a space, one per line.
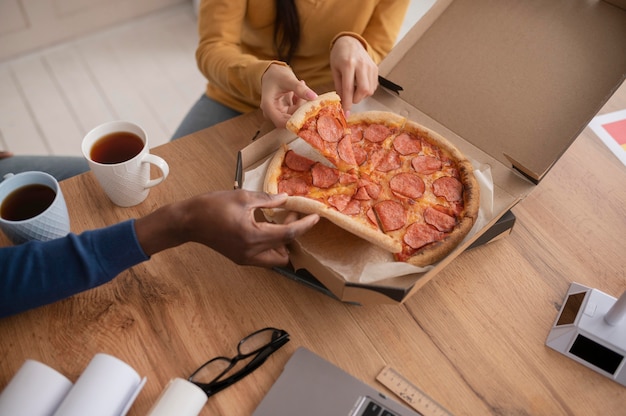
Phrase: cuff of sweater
pixel 354 35
pixel 264 65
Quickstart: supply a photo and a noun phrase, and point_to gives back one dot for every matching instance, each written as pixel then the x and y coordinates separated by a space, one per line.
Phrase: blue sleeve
pixel 37 273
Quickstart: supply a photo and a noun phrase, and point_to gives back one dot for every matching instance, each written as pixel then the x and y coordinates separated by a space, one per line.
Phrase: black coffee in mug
pixel 116 148
pixel 27 202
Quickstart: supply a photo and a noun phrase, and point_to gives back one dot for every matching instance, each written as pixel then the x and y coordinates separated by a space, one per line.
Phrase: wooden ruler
pixel 410 393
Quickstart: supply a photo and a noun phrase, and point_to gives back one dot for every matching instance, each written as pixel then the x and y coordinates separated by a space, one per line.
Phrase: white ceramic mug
pixel 53 222
pixel 126 183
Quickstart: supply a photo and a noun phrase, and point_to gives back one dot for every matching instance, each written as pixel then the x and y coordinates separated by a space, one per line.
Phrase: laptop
pixel 311 386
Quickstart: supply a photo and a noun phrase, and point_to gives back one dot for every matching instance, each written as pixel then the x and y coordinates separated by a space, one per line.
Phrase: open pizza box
pixel 511 84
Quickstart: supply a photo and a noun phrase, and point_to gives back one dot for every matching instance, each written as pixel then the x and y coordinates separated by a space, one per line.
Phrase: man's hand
pixel 225 222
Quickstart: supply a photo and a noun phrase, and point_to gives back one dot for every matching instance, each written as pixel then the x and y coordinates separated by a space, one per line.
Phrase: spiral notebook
pixel 311 386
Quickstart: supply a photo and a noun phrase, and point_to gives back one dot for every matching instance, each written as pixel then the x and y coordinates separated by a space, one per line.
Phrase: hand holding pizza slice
pixel 389 180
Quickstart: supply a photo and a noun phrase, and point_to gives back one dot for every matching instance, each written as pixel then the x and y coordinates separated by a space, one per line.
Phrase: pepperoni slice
pixel 293 186
pixel 448 187
pixel 440 220
pixel 298 163
pixel 391 214
pixel 360 155
pixel 344 149
pixel 313 138
pixel 324 176
pixel 376 133
pixel 348 178
pixel 390 161
pixel 353 208
pixel 356 133
pixel 362 195
pixel 418 235
pixel 373 189
pixel 407 184
pixel 426 164
pixel 371 215
pixel 329 128
pixel 339 201
pixel 406 144
pixel 377 156
pixel 367 190
pixel 455 208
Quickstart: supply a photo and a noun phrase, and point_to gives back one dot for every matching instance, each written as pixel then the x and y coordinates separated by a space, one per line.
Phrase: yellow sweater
pixel 236 41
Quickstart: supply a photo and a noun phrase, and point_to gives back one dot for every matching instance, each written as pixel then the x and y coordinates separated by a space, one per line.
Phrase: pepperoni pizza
pixel 384 178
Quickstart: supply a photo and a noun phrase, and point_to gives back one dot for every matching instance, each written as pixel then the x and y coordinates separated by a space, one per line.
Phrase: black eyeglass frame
pixel 279 338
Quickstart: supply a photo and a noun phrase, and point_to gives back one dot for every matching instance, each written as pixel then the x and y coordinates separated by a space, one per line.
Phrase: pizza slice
pixel 322 124
pixel 338 196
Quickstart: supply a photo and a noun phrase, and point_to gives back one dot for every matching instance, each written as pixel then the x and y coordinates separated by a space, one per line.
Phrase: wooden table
pixel 473 338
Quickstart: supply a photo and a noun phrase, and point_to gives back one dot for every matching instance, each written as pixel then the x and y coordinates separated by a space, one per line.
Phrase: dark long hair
pixel 286 29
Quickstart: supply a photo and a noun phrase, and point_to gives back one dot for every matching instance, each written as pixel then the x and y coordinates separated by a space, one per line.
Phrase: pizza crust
pixel 270 183
pixel 378 117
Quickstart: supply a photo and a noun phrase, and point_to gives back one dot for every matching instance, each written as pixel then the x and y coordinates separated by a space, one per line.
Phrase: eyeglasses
pixel 260 344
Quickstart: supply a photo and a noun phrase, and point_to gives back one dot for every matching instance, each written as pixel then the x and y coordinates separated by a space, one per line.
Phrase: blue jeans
pixel 61 167
pixel 203 114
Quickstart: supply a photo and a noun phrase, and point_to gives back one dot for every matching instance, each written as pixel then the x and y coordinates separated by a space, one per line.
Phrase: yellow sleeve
pixel 220 57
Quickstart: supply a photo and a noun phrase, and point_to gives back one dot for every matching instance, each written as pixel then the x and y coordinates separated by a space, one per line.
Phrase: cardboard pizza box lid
pixel 519 80
pixel 511 84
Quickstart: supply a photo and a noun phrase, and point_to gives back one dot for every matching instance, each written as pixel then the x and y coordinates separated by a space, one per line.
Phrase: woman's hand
pixel 355 74
pixel 282 93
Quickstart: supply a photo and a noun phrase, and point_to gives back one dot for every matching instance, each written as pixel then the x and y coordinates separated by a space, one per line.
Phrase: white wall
pixel 416 10
pixel 26 25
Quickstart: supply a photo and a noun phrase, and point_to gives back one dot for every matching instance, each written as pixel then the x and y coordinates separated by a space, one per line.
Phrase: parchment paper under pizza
pixel 381 177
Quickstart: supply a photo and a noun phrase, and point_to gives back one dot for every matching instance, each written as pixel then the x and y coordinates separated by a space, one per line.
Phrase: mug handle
pixel 159 163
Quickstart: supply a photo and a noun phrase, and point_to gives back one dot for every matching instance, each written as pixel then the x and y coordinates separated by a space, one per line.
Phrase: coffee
pixel 116 148
pixel 27 202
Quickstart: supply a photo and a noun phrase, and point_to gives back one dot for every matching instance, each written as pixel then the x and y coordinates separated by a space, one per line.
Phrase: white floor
pixel 143 71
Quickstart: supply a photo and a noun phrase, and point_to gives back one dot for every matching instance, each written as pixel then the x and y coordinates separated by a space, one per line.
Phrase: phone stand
pixel 590 329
